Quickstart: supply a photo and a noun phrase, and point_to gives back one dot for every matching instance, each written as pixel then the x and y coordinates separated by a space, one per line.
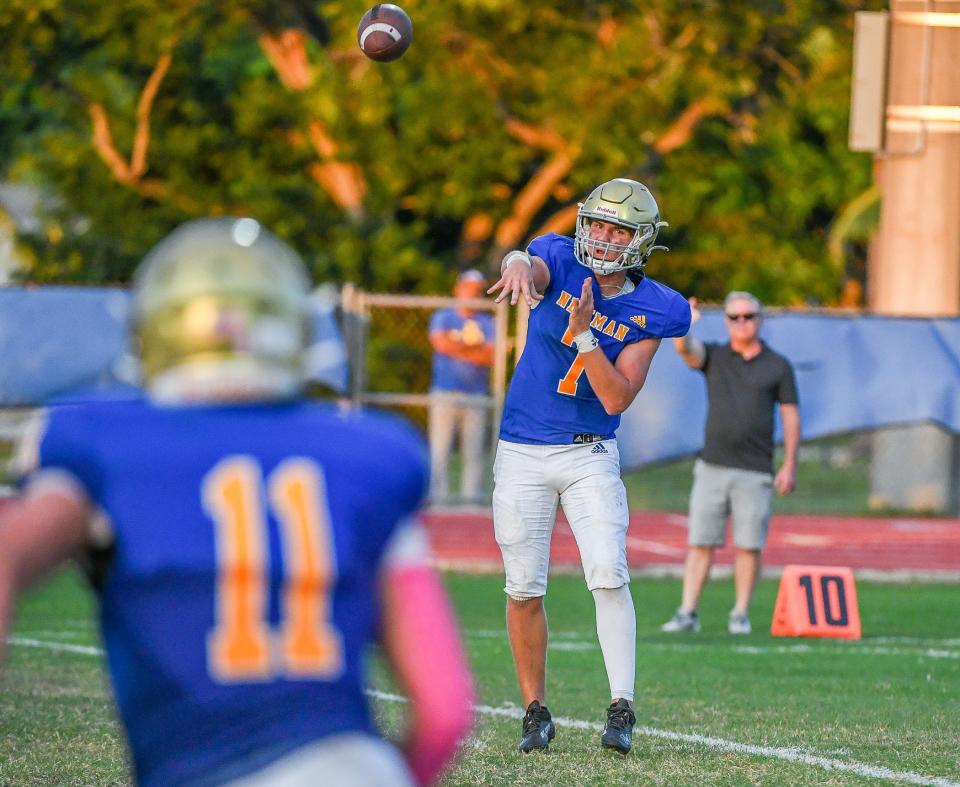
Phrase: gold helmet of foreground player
pixel 220 311
pixel 629 204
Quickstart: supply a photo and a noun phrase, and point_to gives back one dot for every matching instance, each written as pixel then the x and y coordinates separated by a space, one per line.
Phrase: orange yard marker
pixel 816 601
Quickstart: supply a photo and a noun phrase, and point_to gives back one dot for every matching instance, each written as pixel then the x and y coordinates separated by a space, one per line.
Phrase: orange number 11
pixel 242 646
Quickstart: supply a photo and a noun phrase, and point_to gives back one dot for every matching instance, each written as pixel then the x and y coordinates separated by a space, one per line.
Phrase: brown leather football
pixel 385 32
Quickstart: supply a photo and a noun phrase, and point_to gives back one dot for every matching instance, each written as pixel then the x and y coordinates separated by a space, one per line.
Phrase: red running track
pixel 656 542
pixel 887 547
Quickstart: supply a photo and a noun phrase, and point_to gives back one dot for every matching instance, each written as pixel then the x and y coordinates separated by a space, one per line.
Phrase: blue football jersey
pixel 550 400
pixel 241 593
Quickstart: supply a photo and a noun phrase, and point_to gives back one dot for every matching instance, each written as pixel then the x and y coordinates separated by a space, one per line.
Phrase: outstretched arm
pixel 691 349
pixel 521 274
pixel 38 531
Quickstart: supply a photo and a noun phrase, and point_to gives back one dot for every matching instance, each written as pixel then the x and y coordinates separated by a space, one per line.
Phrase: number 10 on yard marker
pixel 816 601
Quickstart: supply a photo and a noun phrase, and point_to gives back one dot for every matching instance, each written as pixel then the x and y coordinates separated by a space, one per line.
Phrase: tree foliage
pixel 132 117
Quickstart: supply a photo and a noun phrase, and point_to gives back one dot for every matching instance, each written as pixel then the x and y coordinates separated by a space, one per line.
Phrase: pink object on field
pixel 427 654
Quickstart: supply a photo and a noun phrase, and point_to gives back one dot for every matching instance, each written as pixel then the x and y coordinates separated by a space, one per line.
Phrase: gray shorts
pixel 746 496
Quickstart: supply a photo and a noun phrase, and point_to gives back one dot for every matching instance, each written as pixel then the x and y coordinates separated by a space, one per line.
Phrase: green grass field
pixel 712 709
pixel 821 488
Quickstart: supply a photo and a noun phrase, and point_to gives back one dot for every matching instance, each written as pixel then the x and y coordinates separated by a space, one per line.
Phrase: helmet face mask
pixel 220 312
pixel 625 203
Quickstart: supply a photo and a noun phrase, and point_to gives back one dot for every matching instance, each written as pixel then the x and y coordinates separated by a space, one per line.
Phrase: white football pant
pixel 529 481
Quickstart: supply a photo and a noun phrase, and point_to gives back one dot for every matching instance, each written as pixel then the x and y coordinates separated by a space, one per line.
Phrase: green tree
pixel 133 117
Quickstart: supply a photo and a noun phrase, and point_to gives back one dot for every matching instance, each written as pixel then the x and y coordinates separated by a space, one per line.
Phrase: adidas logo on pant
pixel 599 448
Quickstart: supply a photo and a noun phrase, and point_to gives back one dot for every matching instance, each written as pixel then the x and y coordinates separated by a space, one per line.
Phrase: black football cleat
pixel 618 731
pixel 538 729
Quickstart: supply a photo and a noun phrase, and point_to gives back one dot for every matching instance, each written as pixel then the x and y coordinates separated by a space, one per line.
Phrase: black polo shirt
pixel 740 405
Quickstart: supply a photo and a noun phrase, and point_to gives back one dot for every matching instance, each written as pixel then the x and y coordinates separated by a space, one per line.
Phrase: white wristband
pixel 513 256
pixel 586 341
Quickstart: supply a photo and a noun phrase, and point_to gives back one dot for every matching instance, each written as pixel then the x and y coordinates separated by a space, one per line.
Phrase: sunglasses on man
pixel 746 317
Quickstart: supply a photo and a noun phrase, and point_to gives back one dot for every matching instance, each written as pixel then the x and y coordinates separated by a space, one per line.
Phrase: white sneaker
pixel 682 621
pixel 738 623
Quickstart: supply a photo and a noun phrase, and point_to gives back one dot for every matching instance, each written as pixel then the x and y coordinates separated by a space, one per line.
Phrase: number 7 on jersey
pixel 568 383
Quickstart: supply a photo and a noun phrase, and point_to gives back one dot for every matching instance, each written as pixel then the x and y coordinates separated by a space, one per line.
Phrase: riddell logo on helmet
pixel 605 210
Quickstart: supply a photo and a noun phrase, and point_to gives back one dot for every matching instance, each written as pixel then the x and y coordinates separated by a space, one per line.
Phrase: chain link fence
pixel 390 356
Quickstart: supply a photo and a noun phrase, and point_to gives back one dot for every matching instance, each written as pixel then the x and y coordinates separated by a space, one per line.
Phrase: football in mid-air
pixel 385 32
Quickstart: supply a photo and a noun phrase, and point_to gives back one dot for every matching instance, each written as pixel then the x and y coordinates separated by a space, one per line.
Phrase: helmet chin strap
pixel 596 251
pixel 607 267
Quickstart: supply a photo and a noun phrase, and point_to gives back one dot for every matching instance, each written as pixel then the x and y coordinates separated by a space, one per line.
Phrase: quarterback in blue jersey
pixel 250 545
pixel 596 322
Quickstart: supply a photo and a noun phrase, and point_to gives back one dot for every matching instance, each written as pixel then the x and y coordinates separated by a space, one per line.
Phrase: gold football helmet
pixel 221 313
pixel 629 204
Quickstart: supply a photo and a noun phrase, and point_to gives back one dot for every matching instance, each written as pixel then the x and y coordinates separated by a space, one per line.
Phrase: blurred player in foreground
pixel 250 545
pixel 591 339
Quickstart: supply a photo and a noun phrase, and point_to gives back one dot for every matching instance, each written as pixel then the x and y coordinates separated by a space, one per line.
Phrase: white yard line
pixel 573 642
pixel 790 754
pixel 917 640
pixel 853 650
pixel 84 650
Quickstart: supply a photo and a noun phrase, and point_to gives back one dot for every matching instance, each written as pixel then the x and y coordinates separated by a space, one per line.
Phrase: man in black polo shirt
pixel 734 475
